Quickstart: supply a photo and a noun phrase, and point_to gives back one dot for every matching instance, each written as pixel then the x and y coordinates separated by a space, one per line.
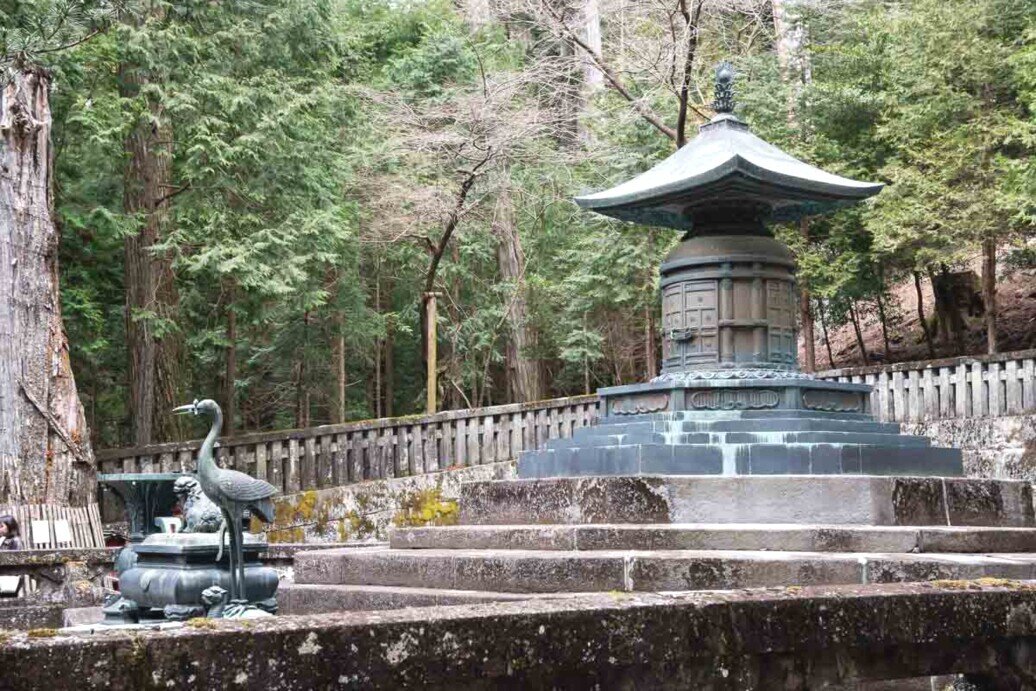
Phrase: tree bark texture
pixel 920 315
pixel 151 295
pixel 523 369
pixel 989 293
pixel 230 374
pixel 854 318
pixel 806 313
pixel 45 454
pixel 827 339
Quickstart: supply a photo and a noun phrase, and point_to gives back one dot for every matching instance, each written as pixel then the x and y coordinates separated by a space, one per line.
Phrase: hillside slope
pixel 1016 309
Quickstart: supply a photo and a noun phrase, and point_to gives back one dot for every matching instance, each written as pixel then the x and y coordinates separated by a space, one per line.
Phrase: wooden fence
pixel 333 455
pixel 985 386
pixel 47 526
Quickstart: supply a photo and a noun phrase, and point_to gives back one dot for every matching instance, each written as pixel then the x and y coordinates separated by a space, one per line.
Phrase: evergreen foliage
pixel 319 148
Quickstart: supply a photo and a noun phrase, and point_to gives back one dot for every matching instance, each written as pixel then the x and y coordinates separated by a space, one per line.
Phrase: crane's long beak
pixel 184 409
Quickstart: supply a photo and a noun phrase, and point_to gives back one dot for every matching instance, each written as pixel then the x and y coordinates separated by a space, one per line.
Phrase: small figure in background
pixel 10 536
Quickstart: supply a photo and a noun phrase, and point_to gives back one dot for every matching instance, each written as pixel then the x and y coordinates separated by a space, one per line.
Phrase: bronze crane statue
pixel 232 491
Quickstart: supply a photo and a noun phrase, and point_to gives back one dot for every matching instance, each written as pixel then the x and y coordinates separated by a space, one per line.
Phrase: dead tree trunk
pixel 151 296
pixel 45 454
pixel 523 370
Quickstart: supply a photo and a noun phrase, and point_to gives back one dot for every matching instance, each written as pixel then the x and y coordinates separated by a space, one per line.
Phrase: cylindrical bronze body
pixel 728 302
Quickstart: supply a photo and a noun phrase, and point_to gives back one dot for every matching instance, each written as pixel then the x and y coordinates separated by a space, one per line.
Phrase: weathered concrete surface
pixel 994 447
pixel 364 511
pixel 543 571
pixel 300 598
pixel 799 499
pixel 721 536
pixel 24 614
pixel 70 576
pixel 795 638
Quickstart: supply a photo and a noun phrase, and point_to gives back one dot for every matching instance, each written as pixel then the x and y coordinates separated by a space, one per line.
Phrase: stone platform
pixel 548 538
pixel 787 441
pixel 787 639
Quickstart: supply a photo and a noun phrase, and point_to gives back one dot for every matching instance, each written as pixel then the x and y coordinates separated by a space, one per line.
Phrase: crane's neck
pixel 206 458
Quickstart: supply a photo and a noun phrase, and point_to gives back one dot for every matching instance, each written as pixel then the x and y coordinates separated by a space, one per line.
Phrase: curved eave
pixel 771 184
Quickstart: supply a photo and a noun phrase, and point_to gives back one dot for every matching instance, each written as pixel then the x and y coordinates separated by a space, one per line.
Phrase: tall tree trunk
pixel 301 383
pixel 792 58
pixel 650 344
pixel 989 293
pixel 230 373
pixel 884 327
pixel 45 453
pixel 806 313
pixel 338 414
pixel 378 345
pixel 151 296
pixel 523 370
pixel 390 365
pixel 593 77
pixel 827 339
pixel 854 318
pixel 920 315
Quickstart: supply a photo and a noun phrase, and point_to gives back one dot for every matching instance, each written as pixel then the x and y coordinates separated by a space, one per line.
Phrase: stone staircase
pixel 737 442
pixel 554 537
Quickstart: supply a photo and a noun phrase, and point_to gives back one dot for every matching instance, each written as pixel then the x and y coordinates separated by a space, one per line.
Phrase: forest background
pixel 255 197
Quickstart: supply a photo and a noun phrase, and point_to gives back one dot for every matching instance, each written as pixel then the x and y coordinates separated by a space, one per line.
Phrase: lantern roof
pixel 726 165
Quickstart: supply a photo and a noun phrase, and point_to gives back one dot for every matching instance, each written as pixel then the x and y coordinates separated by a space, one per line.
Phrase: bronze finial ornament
pixel 725 74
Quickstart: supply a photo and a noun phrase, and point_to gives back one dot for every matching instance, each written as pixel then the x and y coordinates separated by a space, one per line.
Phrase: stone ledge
pixel 50 557
pixel 804 499
pixel 791 638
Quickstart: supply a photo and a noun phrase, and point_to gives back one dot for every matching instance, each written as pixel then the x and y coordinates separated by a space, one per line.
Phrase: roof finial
pixel 724 102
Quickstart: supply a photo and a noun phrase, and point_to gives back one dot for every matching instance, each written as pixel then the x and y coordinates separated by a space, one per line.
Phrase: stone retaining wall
pixel 994 447
pixel 364 511
pixel 790 638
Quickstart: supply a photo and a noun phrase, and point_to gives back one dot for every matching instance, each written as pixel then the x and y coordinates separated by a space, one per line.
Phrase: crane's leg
pixel 241 555
pixel 228 519
pixel 235 543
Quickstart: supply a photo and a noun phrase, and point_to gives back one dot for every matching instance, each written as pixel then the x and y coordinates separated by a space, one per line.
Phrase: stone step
pixel 705 425
pixel 740 459
pixel 303 598
pixel 773 537
pixel 733 415
pixel 719 438
pixel 528 571
pixel 798 499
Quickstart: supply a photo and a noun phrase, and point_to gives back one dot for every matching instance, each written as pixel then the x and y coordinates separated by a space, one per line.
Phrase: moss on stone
pixel 42 633
pixel 426 507
pixel 200 623
pixel 360 526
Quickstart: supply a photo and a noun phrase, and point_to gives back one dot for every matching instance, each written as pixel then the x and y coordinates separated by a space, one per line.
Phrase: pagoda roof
pixel 726 165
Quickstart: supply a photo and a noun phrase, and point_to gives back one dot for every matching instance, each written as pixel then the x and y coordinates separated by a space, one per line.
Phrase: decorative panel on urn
pixel 780 315
pixel 689 320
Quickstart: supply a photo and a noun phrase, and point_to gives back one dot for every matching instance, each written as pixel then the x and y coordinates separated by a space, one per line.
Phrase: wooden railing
pixel 982 386
pixel 49 526
pixel 333 455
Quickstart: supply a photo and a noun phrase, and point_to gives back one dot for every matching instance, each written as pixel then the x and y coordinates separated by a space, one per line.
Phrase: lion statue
pixel 200 514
